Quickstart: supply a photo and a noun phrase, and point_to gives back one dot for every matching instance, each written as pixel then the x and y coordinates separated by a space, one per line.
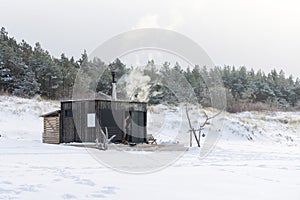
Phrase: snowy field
pixel 257 157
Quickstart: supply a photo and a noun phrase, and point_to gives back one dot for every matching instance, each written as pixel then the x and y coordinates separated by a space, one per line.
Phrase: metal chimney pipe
pixel 114 86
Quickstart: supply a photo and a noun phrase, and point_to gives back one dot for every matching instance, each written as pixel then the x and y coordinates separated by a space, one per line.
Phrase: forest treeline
pixel 28 71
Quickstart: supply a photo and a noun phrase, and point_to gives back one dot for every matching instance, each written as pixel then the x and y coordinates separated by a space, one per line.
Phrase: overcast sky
pixel 256 33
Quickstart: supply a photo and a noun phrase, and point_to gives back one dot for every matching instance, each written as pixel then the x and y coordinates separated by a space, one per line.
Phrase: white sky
pixel 255 33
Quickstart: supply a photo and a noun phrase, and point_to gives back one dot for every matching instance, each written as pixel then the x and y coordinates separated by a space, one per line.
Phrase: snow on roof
pixel 51 114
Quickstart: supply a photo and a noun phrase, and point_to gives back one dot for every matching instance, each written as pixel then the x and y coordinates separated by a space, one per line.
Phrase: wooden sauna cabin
pixel 87 120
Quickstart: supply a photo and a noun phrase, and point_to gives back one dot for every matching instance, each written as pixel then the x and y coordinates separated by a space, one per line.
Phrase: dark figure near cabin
pixel 127 128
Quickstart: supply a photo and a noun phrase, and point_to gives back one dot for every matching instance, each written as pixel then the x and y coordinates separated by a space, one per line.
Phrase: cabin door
pixel 137 127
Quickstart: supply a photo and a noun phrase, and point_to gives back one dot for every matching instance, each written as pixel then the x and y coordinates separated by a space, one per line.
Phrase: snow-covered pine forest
pixel 27 71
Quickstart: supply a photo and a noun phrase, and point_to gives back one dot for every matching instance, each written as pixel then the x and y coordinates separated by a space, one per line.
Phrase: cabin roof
pixel 51 114
pixel 104 100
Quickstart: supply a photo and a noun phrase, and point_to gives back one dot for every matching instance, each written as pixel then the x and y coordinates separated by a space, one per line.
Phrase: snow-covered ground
pixel 256 157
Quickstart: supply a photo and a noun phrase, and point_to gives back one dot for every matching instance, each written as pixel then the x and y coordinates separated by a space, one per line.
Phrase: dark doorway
pixel 112 120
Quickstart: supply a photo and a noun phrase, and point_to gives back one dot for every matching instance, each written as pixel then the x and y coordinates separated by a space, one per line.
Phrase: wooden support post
pixel 191 138
pixel 106 139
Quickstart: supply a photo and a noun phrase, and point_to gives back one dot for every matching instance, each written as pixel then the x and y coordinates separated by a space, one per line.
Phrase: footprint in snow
pixel 6 182
pixel 30 188
pixel 263 166
pixel 104 192
pixel 85 182
pixel 69 196
pixel 109 190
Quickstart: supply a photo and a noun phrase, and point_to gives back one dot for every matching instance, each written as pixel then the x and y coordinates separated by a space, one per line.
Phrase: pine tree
pixel 68 72
pixel 26 85
pixel 47 73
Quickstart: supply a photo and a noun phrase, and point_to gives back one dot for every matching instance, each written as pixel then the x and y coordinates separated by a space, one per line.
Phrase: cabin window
pixel 68 113
pixel 91 120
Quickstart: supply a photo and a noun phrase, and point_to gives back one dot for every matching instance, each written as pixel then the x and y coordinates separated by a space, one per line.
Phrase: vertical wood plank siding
pixel 110 114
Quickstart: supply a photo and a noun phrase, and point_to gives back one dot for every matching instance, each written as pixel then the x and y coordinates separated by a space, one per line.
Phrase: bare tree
pixel 194 131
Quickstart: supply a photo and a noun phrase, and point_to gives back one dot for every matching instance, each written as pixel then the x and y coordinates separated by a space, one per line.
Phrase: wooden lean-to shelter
pixel 51 134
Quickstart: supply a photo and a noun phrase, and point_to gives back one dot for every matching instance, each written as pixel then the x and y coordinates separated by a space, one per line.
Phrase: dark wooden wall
pixel 108 114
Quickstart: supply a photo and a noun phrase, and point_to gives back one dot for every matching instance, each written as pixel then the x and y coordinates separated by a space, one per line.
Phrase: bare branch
pixel 201 126
pixel 209 118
